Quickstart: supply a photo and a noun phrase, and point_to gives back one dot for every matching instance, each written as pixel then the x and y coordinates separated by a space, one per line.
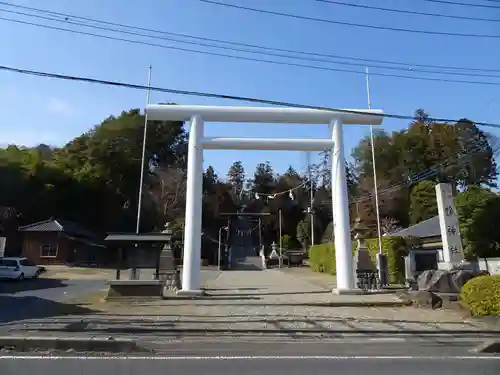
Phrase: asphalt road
pixel 52 289
pixel 251 365
pixel 412 356
pixel 40 298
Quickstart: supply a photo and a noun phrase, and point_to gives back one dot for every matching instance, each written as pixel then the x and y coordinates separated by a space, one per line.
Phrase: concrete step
pixel 248 263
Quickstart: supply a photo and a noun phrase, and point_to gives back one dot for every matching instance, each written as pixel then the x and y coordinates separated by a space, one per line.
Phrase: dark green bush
pixel 322 257
pixel 395 248
pixel 481 295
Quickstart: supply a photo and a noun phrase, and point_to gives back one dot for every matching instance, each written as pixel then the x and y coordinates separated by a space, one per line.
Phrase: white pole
pixel 143 157
pixel 281 239
pixel 311 197
pixel 377 210
pixel 133 271
pixel 340 206
pixel 220 242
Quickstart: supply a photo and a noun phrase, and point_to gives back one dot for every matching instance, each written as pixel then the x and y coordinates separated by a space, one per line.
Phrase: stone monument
pixel 453 254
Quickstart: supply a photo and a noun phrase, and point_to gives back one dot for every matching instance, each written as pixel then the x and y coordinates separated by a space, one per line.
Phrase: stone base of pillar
pixel 359 292
pixel 348 292
pixel 445 266
pixel 191 293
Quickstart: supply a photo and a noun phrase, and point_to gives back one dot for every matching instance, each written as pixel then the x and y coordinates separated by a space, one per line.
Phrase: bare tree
pixel 168 191
pixel 388 225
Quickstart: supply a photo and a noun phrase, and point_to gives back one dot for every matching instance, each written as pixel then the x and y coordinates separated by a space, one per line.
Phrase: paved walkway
pixel 323 280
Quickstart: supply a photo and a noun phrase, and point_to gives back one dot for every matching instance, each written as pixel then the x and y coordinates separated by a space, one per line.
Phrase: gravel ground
pixel 268 300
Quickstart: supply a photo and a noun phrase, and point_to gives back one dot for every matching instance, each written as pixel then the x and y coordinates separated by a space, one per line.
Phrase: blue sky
pixel 46 110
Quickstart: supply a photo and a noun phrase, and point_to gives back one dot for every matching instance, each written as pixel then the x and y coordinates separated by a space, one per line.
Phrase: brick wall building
pixel 59 241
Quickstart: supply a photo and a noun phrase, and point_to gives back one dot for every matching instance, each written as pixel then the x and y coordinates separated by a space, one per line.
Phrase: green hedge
pixel 481 295
pixel 322 257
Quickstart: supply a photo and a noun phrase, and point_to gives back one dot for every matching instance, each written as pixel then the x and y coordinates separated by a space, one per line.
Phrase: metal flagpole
pixel 374 167
pixel 143 162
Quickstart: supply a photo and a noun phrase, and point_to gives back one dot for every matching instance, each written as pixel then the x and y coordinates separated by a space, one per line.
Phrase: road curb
pixel 491 346
pixel 360 304
pixel 24 343
pixel 282 331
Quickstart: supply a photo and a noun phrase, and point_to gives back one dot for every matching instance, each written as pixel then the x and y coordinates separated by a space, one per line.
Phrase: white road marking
pixel 229 358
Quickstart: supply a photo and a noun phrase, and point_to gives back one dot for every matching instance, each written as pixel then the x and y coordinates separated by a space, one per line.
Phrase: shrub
pixel 289 242
pixel 395 248
pixel 481 295
pixel 322 257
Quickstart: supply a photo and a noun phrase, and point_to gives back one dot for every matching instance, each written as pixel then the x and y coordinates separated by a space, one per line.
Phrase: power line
pixel 434 79
pixel 415 178
pixel 252 51
pixel 223 96
pixel 447 2
pixel 404 11
pixel 67 15
pixel 359 25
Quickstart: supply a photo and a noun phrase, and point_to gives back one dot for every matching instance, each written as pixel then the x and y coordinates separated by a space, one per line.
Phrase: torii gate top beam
pixel 167 112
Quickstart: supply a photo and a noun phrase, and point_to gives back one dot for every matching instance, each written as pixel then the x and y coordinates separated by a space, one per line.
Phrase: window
pixel 48 251
pixel 27 263
pixel 8 263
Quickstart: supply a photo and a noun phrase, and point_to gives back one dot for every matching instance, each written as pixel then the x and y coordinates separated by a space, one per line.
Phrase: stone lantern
pixel 167 268
pixel 364 269
pixel 359 230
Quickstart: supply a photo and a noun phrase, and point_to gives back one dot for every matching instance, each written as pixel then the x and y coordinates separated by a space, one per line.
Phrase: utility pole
pixel 260 233
pixel 377 210
pixel 133 271
pixel 311 212
pixel 281 238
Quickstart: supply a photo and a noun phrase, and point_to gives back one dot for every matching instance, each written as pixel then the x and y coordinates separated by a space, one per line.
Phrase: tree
pixel 423 203
pixel 236 177
pixel 303 230
pixel 456 153
pixel 168 191
pixel 388 225
pixel 479 214
pixel 328 234
pixel 476 159
pixel 94 178
pixel 263 179
pixel 111 153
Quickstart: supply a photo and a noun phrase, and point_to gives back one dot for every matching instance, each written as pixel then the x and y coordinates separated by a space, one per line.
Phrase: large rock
pixel 440 281
pixel 427 299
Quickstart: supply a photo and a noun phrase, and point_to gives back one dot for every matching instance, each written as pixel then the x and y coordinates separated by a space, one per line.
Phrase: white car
pixel 18 268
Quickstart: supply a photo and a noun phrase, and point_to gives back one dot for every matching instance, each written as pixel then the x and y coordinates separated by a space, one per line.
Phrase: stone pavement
pixel 268 302
pixel 323 280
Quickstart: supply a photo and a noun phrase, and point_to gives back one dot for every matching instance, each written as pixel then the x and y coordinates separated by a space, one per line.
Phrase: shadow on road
pixel 246 267
pixel 257 293
pixel 222 297
pixel 338 327
pixel 228 289
pixel 31 307
pixel 15 286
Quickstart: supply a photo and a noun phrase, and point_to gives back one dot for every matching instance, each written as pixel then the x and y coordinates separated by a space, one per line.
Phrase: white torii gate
pixel 197 142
